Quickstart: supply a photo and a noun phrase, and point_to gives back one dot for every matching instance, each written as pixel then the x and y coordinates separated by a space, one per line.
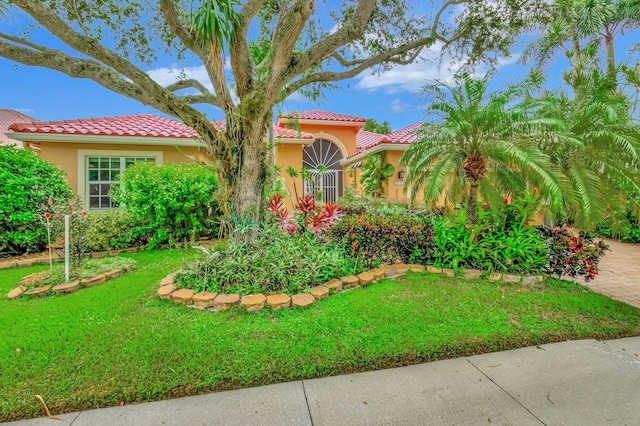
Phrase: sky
pixel 394 96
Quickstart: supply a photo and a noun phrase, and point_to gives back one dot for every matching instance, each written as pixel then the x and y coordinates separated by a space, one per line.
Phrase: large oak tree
pixel 274 48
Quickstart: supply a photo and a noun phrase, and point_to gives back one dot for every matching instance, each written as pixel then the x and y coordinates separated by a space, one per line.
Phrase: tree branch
pixel 171 15
pixel 288 30
pixel 322 50
pixel 205 95
pixel 186 84
pixel 240 56
pixel 36 55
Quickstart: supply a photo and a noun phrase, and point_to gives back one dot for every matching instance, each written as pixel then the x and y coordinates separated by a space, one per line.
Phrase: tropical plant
pixel 275 263
pixel 579 28
pixel 595 144
pixel 374 172
pixel 485 143
pixel 312 217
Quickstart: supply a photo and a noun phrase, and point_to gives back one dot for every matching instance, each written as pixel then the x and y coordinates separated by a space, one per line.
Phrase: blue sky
pixel 393 96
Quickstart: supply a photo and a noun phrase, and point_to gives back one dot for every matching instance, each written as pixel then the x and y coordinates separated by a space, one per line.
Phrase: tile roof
pixel 405 136
pixel 143 125
pixel 365 139
pixel 323 116
pixel 128 125
pixel 7 118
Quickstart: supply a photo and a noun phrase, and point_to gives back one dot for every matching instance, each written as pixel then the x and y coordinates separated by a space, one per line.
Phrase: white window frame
pixel 83 181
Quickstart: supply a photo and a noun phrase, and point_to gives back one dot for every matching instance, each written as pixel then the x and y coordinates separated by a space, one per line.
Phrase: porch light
pixel 401 175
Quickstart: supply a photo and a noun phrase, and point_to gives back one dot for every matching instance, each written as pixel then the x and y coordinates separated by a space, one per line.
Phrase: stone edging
pixel 64 288
pixel 256 302
pixel 57 258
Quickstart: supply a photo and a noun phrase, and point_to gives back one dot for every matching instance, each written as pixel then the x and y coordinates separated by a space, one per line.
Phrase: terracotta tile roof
pixel 405 136
pixel 128 125
pixel 365 139
pixel 7 118
pixel 143 125
pixel 323 116
pixel 284 133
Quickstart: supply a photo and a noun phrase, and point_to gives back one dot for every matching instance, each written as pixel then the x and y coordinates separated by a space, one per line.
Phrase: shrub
pixel 113 229
pixel 377 238
pixel 29 187
pixel 171 202
pixel 276 263
pixel 505 247
pixel 573 255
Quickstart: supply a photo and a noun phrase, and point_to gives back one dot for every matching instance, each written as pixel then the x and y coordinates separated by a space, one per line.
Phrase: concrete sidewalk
pixel 582 382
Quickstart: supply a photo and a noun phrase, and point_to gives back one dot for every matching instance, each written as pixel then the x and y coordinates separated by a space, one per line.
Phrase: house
pixel 95 151
pixel 8 117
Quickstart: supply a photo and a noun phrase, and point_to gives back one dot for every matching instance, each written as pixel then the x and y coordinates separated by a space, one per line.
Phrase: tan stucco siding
pixel 345 136
pixel 65 155
pixel 290 155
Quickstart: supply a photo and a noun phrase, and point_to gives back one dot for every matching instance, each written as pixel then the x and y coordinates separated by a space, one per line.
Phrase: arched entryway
pixel 322 159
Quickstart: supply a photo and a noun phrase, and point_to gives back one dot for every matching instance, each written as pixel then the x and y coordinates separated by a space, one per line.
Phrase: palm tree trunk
pixel 609 43
pixel 472 204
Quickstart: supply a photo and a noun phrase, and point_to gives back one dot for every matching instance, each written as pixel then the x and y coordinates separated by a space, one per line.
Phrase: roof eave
pixel 358 124
pixel 104 139
pixel 373 150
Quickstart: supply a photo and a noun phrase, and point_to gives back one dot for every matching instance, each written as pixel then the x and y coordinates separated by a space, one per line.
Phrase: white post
pixel 66 248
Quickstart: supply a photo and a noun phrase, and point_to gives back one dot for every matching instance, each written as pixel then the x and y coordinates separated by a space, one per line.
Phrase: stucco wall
pixel 346 135
pixel 65 155
pixel 290 155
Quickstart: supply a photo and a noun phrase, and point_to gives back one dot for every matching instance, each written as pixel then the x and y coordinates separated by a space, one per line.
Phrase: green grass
pixel 118 343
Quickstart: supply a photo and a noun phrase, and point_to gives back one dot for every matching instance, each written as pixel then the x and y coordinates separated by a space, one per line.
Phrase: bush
pixel 489 246
pixel 171 202
pixel 377 238
pixel 276 263
pixel 29 187
pixel 113 229
pixel 573 255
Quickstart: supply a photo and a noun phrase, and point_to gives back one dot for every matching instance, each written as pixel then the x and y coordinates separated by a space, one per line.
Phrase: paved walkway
pixel 582 383
pixel 619 274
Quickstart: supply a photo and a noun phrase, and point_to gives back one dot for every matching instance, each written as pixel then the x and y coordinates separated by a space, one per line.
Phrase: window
pixel 102 173
pixel 322 159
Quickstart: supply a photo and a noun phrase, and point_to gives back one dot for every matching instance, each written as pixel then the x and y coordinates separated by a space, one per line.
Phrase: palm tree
pixel 579 27
pixel 595 145
pixel 485 142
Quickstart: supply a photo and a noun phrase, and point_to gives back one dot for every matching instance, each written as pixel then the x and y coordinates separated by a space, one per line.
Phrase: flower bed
pixel 94 272
pixel 212 301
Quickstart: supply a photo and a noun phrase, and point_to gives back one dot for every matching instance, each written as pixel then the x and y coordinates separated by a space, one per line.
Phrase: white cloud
pixel 411 78
pixel 398 106
pixel 166 76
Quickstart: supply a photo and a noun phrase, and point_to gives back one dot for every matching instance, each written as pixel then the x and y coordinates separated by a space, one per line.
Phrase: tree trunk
pixel 609 44
pixel 249 188
pixel 472 204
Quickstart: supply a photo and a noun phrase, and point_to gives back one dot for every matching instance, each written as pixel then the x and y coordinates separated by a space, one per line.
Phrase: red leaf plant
pixel 316 218
pixel 285 219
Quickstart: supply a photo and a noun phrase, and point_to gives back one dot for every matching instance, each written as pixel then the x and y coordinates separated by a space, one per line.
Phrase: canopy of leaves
pixel 372 125
pixel 484 139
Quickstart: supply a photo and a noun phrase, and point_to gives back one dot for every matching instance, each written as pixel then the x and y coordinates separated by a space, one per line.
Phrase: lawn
pixel 117 343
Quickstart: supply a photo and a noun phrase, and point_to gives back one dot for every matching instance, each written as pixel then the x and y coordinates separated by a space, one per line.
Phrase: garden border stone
pixel 65 288
pixel 257 302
